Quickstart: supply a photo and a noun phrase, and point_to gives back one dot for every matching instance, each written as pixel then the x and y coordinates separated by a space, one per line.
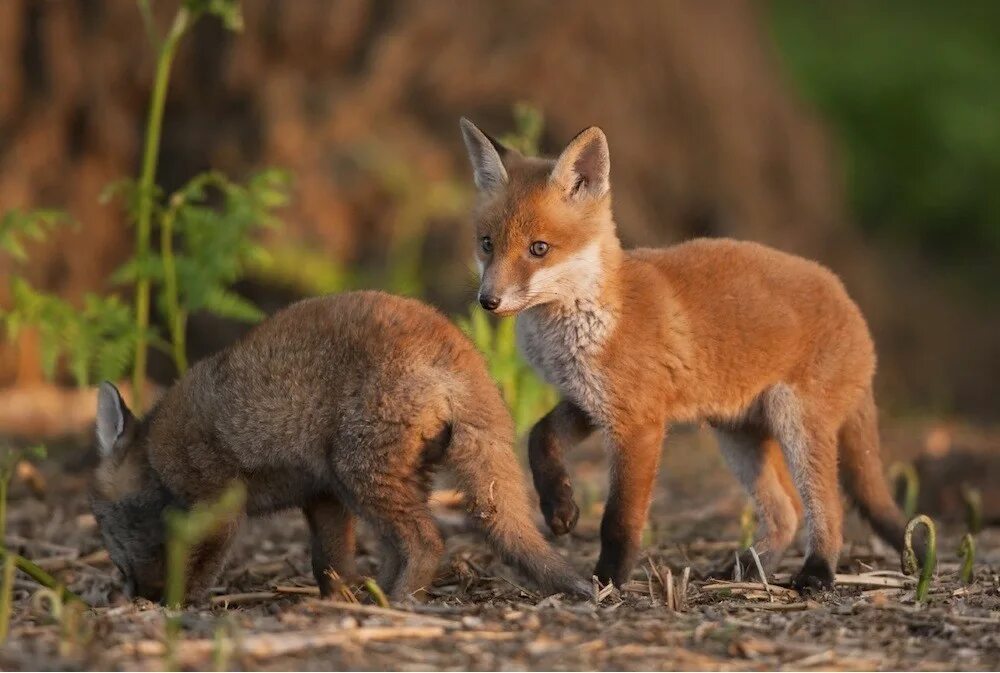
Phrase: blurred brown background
pixel 711 134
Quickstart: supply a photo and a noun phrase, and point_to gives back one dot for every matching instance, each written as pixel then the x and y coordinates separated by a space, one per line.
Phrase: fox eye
pixel 539 248
pixel 486 244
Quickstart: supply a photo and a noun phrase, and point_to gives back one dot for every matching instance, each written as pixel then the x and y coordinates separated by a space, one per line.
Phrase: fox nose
pixel 488 301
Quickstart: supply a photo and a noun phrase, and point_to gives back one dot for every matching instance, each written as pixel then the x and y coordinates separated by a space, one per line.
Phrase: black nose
pixel 488 301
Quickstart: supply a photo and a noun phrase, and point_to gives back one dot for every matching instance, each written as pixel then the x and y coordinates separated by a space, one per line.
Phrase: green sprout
pixel 528 397
pixel 911 481
pixel 186 530
pixel 529 123
pixel 376 592
pixel 6 595
pixel 967 550
pixel 973 500
pixel 222 645
pixel 8 464
pixel 73 630
pixel 910 558
pixel 748 526
pixel 40 576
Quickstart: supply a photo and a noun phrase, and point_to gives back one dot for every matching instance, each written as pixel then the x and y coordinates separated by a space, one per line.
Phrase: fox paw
pixel 561 515
pixel 816 575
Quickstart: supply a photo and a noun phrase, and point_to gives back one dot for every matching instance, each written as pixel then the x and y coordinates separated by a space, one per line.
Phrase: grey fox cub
pixel 340 406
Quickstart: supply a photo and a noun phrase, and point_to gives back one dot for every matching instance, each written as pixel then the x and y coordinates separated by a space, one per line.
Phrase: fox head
pixel 544 229
pixel 128 499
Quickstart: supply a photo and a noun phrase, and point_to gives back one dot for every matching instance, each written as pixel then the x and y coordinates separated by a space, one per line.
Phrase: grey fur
pixel 487 166
pixel 340 406
pixel 110 418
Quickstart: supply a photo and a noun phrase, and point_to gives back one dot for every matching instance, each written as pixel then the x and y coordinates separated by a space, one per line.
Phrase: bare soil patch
pixel 482 616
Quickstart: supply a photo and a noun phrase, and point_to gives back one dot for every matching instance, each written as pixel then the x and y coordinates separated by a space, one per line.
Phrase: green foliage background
pixel 911 93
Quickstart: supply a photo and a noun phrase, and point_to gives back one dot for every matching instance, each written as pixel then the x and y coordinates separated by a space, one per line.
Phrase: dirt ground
pixel 481 616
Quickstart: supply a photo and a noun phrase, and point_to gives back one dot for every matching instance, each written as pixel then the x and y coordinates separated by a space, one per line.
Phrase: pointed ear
pixel 486 154
pixel 584 167
pixel 113 418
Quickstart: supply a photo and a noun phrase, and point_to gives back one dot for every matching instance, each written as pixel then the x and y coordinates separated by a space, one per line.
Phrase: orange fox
pixel 765 346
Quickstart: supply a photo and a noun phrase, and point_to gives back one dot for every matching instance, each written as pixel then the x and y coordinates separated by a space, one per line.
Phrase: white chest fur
pixel 563 344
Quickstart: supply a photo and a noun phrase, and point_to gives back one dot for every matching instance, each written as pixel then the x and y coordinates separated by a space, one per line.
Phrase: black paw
pixel 816 575
pixel 561 515
pixel 610 573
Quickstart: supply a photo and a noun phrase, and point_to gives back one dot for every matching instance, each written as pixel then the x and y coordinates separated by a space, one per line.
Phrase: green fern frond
pixel 19 226
pixel 231 305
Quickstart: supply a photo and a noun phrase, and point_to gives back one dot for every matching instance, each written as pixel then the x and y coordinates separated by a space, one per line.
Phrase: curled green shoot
pixel 910 564
pixel 376 592
pixel 911 486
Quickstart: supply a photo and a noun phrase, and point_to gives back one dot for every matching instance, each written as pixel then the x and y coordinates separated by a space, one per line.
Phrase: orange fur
pixel 766 346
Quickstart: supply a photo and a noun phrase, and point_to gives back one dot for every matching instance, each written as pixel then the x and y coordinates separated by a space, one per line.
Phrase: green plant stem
pixel 176 318
pixel 147 22
pixel 6 591
pixel 4 482
pixel 376 592
pixel 147 177
pixel 748 526
pixel 973 509
pixel 42 577
pixel 910 558
pixel 177 559
pixel 967 550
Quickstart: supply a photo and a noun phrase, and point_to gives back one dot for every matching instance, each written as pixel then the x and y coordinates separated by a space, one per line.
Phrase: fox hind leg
pixel 391 561
pixel 418 548
pixel 810 449
pixel 331 526
pixel 757 462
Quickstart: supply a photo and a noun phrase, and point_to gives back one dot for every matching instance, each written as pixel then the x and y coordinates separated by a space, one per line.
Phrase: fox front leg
pixel 331 526
pixel 635 459
pixel 563 427
pixel 209 558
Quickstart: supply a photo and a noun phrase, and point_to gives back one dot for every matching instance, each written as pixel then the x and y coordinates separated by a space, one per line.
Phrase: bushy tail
pixel 482 457
pixel 864 477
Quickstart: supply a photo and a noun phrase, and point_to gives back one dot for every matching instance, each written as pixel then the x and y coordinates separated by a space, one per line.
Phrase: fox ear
pixel 485 154
pixel 584 167
pixel 113 418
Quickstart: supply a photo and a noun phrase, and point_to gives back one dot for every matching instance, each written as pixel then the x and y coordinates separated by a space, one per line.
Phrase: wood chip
pixel 390 613
pixel 191 653
pixel 747 586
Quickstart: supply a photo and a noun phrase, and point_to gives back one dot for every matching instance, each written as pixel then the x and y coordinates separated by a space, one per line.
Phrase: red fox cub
pixel 765 346
pixel 340 406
